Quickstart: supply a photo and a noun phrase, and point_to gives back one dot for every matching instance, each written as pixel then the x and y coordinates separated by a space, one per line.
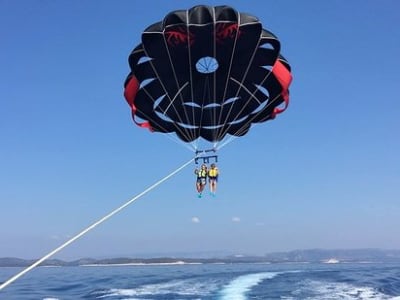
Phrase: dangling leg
pixel 198 188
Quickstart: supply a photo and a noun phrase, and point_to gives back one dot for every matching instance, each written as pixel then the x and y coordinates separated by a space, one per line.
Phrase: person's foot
pixel 199 195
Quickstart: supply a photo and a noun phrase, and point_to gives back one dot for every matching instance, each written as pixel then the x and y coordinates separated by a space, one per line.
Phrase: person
pixel 213 178
pixel 201 179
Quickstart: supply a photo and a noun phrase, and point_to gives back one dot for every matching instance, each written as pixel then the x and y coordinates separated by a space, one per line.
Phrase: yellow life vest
pixel 201 173
pixel 213 172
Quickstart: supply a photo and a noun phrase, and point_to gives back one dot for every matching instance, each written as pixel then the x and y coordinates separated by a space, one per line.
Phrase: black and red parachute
pixel 207 72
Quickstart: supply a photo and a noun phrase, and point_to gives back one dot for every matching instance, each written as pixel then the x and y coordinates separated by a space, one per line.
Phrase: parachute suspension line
pixel 178 93
pixel 186 133
pixel 220 131
pixel 227 141
pixel 251 95
pixel 168 135
pixel 83 232
pixel 171 136
pixel 241 86
pixel 206 90
pixel 233 137
pixel 190 74
pixel 165 90
pixel 176 140
pixel 154 100
pixel 214 95
pixel 216 145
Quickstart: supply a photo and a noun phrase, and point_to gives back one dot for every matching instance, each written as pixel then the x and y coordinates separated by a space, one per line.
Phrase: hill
pixel 296 256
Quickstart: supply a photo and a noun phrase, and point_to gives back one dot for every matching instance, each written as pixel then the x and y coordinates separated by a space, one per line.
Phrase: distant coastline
pixel 296 256
pixel 178 262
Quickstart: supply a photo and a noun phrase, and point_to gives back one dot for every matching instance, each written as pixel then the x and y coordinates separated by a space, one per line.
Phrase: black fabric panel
pixel 245 54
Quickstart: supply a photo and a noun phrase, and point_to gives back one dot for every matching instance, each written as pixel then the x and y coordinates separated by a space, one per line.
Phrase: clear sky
pixel 324 174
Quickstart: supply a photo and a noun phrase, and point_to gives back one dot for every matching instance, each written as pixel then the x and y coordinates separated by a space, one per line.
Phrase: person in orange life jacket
pixel 213 178
pixel 201 179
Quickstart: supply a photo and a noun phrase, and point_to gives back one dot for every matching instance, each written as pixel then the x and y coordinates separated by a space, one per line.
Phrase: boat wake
pixel 237 288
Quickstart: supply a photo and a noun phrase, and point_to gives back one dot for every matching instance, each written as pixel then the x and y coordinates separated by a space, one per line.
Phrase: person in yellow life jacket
pixel 201 179
pixel 213 178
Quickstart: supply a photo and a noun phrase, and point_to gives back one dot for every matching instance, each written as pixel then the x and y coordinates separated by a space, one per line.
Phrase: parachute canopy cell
pixel 207 72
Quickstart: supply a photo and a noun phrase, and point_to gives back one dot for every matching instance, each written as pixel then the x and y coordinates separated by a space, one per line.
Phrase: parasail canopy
pixel 207 72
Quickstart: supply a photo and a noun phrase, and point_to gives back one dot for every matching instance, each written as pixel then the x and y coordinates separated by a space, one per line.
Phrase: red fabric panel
pixel 130 93
pixel 285 78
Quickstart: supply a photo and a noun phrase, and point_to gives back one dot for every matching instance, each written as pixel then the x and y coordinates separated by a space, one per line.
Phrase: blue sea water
pixel 206 282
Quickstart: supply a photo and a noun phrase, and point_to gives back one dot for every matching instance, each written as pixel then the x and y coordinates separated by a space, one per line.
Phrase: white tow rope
pixel 83 232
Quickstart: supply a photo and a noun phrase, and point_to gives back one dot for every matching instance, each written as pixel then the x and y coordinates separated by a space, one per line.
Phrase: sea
pixel 206 281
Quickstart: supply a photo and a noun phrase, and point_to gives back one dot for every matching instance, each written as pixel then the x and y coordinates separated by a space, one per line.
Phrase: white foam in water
pixel 181 287
pixel 339 290
pixel 237 288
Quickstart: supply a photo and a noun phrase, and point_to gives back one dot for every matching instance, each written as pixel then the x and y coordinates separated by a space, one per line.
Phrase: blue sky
pixel 324 174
